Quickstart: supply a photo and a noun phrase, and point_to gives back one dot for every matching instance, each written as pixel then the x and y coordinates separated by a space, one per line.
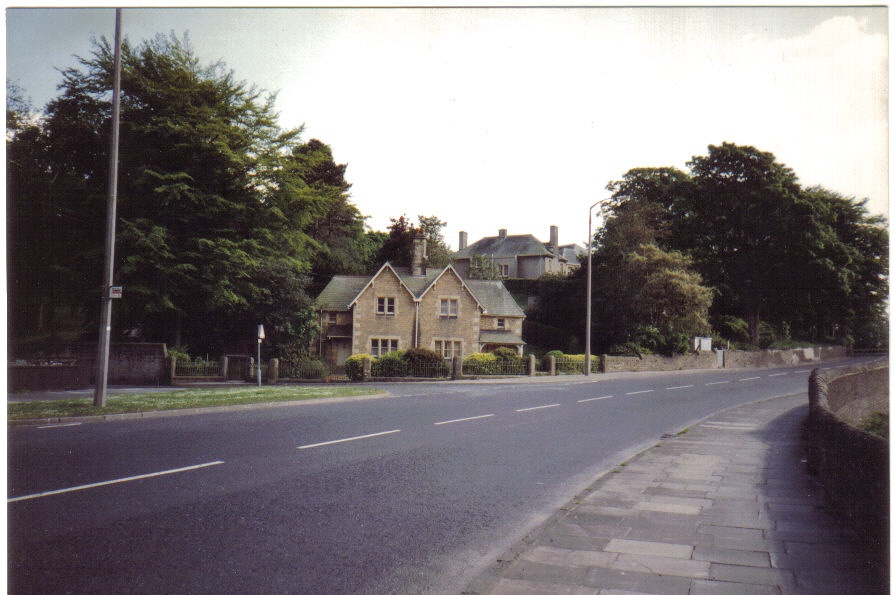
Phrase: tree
pixel 223 215
pixel 398 247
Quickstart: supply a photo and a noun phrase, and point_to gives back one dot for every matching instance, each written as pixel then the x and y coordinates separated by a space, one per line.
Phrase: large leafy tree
pixel 397 248
pixel 219 208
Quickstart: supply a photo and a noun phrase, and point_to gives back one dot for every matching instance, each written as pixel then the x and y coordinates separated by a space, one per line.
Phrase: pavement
pixel 726 507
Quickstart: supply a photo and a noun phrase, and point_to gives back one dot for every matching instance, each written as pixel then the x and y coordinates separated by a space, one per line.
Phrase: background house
pixel 401 308
pixel 516 256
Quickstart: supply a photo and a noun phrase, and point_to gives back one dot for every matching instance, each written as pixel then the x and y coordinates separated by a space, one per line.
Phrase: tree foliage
pixel 224 217
pixel 397 248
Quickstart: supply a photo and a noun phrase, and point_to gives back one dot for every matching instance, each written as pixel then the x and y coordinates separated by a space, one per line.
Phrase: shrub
pixel 354 366
pixel 180 354
pixel 481 364
pixel 425 362
pixel 305 367
pixel 390 365
pixel 506 354
pixel 554 353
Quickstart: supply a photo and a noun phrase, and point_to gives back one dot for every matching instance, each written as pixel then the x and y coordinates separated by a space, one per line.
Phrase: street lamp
pixel 258 365
pixel 590 239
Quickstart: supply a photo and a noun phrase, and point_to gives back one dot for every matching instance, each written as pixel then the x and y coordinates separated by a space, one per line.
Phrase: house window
pixel 449 307
pixel 385 306
pixel 331 318
pixel 501 324
pixel 504 270
pixel 449 349
pixel 382 346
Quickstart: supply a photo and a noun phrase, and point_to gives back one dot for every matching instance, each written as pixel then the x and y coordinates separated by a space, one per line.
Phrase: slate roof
pixel 504 337
pixel 508 246
pixel 342 290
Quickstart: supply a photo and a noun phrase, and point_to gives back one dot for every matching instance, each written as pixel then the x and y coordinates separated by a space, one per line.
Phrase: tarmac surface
pixel 726 507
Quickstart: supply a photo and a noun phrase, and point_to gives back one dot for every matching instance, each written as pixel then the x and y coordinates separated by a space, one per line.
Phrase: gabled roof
pixel 343 290
pixel 507 246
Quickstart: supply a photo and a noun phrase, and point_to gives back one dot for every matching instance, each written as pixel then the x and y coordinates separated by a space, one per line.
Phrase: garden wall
pixel 658 363
pixel 852 464
pixel 710 359
pixel 772 358
pixel 73 366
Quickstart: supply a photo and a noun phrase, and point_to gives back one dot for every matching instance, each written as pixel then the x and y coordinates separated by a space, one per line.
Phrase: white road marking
pixel 678 387
pixel 802 372
pixel 113 481
pixel 538 407
pixel 721 382
pixel 595 399
pixel 58 426
pixel 640 392
pixel 750 378
pixel 453 421
pixel 347 439
pixel 778 374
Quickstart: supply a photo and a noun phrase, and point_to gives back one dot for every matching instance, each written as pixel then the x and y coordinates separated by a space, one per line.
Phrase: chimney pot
pixel 464 237
pixel 501 233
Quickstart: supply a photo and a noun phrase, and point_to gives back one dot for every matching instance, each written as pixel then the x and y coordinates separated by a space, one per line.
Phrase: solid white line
pixel 678 387
pixel 453 421
pixel 538 407
pixel 113 481
pixel 595 399
pixel 722 382
pixel 640 392
pixel 347 439
pixel 778 374
pixel 58 426
pixel 750 378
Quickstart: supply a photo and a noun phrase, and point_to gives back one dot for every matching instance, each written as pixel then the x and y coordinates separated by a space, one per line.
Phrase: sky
pixel 518 118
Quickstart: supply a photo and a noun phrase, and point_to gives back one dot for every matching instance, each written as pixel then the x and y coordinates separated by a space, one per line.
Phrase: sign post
pixel 258 365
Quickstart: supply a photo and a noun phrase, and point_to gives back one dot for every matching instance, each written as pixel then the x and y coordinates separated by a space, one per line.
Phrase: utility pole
pixel 105 324
pixel 587 330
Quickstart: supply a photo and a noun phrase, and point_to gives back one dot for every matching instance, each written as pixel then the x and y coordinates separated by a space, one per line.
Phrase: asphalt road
pixel 414 492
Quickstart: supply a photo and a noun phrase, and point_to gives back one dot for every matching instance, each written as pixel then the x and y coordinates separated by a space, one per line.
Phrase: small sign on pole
pixel 115 292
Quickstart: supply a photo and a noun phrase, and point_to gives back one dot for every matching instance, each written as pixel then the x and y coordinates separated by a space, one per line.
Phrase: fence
pixel 394 368
pixel 496 368
pixel 197 368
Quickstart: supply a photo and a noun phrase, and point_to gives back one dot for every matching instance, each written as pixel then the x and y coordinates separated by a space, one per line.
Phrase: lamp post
pixel 258 365
pixel 590 239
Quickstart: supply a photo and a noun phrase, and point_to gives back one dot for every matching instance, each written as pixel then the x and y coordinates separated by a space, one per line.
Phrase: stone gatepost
pixel 551 365
pixel 172 369
pixel 456 368
pixel 367 369
pixel 225 362
pixel 532 364
pixel 273 371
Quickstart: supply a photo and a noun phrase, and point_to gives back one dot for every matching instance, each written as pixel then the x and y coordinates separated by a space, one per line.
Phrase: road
pixel 413 492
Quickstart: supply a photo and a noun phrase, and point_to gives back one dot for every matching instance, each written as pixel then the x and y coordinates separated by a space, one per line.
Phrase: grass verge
pixel 179 399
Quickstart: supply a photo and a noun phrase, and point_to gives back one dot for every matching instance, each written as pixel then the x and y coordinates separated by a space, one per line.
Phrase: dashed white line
pixel 453 421
pixel 778 374
pixel 713 383
pixel 641 392
pixel 750 378
pixel 113 481
pixel 538 407
pixel 802 372
pixel 52 426
pixel 595 399
pixel 678 387
pixel 347 439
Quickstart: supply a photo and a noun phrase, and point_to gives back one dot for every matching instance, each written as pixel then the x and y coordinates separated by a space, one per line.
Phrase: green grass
pixel 877 423
pixel 179 399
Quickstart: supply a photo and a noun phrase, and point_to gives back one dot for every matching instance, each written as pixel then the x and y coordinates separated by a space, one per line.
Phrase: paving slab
pixel 726 508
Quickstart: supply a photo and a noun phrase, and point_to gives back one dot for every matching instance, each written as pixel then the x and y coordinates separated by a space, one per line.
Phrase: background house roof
pixel 340 292
pixel 507 246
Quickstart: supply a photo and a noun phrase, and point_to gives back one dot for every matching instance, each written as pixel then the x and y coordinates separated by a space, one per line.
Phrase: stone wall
pixel 852 464
pixel 658 363
pixel 773 358
pixel 73 366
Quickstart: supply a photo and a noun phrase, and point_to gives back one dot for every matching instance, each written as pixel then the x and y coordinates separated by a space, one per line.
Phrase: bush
pixel 390 365
pixel 354 366
pixel 554 353
pixel 180 354
pixel 481 364
pixel 506 354
pixel 425 362
pixel 305 367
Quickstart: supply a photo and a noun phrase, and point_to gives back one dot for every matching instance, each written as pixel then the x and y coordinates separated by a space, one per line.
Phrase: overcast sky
pixel 518 118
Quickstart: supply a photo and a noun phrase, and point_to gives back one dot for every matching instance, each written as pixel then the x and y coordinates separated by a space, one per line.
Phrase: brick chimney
pixel 501 233
pixel 464 238
pixel 554 239
pixel 418 258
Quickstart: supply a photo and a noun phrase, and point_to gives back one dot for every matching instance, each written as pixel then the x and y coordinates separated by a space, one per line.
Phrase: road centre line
pixel 538 407
pixel 750 378
pixel 595 399
pixel 802 372
pixel 453 421
pixel 721 382
pixel 678 387
pixel 640 392
pixel 347 439
pixel 778 374
pixel 113 481
pixel 53 426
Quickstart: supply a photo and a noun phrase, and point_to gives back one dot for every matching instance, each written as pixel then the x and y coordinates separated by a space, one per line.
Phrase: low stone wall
pixel 658 363
pixel 852 464
pixel 710 360
pixel 773 358
pixel 72 366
